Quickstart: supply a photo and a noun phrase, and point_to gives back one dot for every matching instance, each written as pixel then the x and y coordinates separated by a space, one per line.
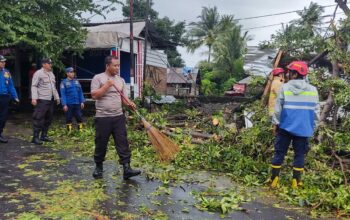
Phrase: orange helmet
pixel 299 66
pixel 277 71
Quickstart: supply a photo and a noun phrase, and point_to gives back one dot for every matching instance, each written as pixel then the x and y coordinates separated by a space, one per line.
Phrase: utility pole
pixel 132 61
pixel 145 51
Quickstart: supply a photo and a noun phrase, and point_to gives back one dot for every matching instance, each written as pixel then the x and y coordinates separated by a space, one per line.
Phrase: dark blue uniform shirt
pixel 6 84
pixel 71 92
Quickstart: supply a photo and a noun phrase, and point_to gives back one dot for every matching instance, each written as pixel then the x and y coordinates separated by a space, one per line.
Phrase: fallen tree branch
pixel 341 166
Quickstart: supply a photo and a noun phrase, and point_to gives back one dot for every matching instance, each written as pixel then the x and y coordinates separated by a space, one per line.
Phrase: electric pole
pixel 132 61
pixel 145 51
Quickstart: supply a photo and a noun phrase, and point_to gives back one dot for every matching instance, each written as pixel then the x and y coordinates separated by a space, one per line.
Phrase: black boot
pixel 97 174
pixel 2 139
pixel 129 172
pixel 44 137
pixel 36 139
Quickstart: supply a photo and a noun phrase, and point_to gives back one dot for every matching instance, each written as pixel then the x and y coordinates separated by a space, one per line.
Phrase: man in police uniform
pixel 72 99
pixel 110 119
pixel 44 95
pixel 7 91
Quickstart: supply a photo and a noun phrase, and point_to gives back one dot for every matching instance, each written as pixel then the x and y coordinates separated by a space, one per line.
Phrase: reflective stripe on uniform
pixel 305 93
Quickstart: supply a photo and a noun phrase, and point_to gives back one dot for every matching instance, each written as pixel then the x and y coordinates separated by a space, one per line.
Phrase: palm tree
pixel 205 31
pixel 311 17
pixel 228 52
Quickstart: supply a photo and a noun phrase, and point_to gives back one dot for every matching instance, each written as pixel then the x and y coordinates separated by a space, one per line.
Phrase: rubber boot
pixel 44 137
pixel 80 126
pixel 129 172
pixel 97 174
pixel 2 139
pixel 296 181
pixel 36 139
pixel 69 127
pixel 275 173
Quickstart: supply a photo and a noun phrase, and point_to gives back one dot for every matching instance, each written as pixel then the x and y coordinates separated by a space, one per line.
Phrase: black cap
pixel 46 60
pixel 2 58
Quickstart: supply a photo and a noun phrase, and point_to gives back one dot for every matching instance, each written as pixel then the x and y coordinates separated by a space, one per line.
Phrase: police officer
pixel 7 91
pixel 44 95
pixel 295 118
pixel 72 99
pixel 110 119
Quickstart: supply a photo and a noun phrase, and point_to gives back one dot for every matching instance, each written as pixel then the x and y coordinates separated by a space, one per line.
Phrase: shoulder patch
pixel 7 75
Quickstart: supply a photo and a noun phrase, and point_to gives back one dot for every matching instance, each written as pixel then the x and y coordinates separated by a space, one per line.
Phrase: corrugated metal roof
pixel 258 61
pixel 175 75
pixel 107 35
pixel 120 28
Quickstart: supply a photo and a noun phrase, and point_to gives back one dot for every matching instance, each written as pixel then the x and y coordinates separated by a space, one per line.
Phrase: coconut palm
pixel 205 31
pixel 228 52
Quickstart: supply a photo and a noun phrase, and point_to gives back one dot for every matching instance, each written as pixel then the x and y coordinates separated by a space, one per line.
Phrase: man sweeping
pixel 110 119
pixel 295 118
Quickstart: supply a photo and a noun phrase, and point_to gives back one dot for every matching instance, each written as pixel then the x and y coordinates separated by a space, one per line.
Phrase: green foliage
pixel 140 10
pixel 50 27
pixel 223 202
pixel 172 32
pixel 302 36
pixel 222 36
pixel 228 84
pixel 205 31
pixel 70 200
pixel 207 87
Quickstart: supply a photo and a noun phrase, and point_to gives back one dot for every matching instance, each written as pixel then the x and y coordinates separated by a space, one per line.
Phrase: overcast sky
pixel 189 10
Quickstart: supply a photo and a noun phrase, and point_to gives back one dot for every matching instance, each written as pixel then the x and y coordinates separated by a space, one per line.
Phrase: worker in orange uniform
pixel 276 84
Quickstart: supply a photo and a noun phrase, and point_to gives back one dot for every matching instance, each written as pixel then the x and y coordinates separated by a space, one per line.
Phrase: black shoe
pixel 46 139
pixel 97 174
pixel 3 140
pixel 129 172
pixel 37 141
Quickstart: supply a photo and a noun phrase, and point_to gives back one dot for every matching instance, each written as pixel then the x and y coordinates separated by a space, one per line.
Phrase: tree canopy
pixel 50 27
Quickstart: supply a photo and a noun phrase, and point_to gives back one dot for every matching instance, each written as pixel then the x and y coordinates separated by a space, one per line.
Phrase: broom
pixel 165 148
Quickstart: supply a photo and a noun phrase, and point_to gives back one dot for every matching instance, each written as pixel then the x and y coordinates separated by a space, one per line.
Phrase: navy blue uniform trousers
pixel 4 107
pixel 300 146
pixel 74 110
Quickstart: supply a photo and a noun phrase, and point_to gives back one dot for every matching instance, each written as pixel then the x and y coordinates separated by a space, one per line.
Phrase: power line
pixel 281 13
pixel 271 25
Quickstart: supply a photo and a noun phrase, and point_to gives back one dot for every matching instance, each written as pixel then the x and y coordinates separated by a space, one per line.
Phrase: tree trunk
pixel 330 100
pixel 343 5
pixel 209 46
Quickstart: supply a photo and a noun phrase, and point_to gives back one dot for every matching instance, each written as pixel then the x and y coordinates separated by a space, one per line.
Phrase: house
pixel 113 38
pixel 183 81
